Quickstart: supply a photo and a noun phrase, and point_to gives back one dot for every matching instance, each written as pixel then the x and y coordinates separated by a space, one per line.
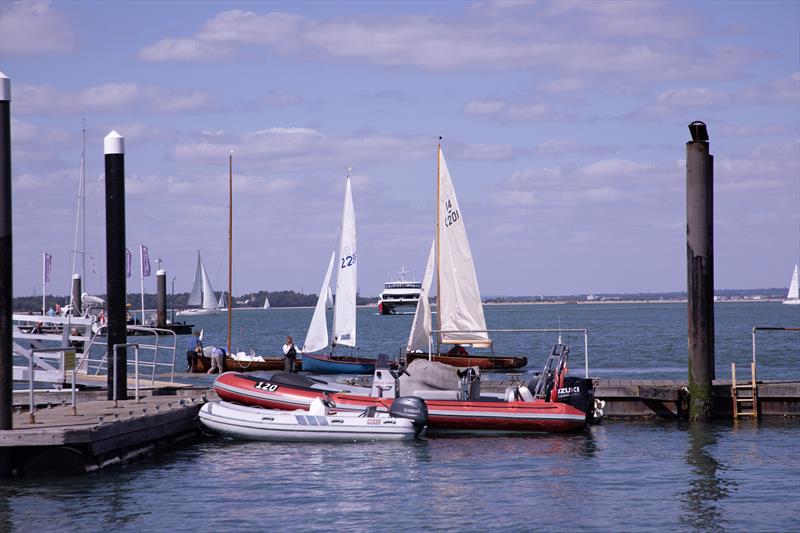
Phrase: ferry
pixel 398 294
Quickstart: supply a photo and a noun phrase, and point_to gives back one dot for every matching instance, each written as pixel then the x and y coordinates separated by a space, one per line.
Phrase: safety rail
pixel 526 330
pixel 769 328
pixel 31 332
pixel 101 362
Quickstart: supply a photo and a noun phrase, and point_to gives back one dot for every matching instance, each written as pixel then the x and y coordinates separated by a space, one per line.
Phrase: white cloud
pixel 31 27
pixel 131 96
pixel 611 44
pixel 503 111
pixel 184 50
pixel 614 168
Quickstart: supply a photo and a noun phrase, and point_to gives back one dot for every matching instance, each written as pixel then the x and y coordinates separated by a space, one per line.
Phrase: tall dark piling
pixel 161 298
pixel 75 298
pixel 700 270
pixel 114 149
pixel 6 292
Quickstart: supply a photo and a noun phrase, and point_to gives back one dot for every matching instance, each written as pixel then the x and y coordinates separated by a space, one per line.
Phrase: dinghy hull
pixel 337 364
pixel 444 415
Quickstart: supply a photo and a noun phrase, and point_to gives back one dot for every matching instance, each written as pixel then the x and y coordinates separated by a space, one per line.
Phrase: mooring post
pixel 6 293
pixel 700 271
pixel 114 149
pixel 161 298
pixel 76 295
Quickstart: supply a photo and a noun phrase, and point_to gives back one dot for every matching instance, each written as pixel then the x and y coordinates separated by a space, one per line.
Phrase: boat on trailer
pixel 404 420
pixel 550 402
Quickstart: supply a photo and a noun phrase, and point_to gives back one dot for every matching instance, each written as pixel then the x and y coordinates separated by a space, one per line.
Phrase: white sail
pixel 208 291
pixel 329 299
pixel 196 297
pixel 793 297
pixel 419 338
pixel 460 307
pixel 221 302
pixel 317 336
pixel 344 310
pixel 266 302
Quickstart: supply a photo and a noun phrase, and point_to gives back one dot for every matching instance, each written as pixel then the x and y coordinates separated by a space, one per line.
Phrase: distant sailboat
pixel 793 298
pixel 266 302
pixel 221 303
pixel 202 293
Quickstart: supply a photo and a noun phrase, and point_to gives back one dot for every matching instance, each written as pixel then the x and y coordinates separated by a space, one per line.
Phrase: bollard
pixel 6 277
pixel 161 298
pixel 700 271
pixel 114 148
pixel 75 297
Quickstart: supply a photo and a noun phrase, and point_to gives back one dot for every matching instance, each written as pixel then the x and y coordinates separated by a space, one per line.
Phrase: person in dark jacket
pixel 193 347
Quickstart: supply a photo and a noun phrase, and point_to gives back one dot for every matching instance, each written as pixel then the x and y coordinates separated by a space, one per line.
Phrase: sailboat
pixel 344 309
pixel 793 298
pixel 202 293
pixel 460 320
pixel 266 302
pixel 239 360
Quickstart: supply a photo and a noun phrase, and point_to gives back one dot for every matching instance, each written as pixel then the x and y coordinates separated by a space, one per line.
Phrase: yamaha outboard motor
pixel 413 408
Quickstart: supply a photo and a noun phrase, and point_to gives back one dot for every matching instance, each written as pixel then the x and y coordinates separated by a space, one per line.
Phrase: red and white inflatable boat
pixel 542 406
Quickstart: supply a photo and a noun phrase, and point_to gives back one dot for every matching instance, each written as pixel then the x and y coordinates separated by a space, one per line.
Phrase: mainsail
pixel 266 302
pixel 419 338
pixel 208 291
pixel 221 302
pixel 794 288
pixel 196 297
pixel 460 308
pixel 344 311
pixel 317 336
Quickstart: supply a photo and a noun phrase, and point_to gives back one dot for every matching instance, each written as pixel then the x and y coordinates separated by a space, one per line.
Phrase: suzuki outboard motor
pixel 579 393
pixel 413 408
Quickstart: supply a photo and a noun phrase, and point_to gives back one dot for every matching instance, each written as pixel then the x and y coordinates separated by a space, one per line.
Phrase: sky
pixel 564 127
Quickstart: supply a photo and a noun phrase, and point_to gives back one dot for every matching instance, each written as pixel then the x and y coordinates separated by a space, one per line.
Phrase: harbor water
pixel 619 476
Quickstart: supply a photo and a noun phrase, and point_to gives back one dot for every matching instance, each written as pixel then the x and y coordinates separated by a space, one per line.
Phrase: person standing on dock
pixel 290 354
pixel 194 346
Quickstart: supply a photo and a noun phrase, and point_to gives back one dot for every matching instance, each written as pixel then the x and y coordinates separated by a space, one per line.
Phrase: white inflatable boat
pixel 406 420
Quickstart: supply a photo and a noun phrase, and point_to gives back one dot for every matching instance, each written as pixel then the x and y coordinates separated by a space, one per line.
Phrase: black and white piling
pixel 75 297
pixel 700 270
pixel 114 149
pixel 6 291
pixel 161 298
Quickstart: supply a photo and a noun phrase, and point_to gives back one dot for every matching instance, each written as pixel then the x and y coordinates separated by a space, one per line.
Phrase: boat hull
pixel 337 364
pixel 301 426
pixel 482 362
pixel 197 312
pixel 444 416
pixel 269 364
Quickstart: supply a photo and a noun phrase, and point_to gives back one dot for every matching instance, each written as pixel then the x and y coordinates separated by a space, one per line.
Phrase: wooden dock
pixel 100 434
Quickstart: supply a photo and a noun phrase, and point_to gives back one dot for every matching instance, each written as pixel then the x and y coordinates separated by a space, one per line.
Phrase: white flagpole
pixel 44 280
pixel 141 273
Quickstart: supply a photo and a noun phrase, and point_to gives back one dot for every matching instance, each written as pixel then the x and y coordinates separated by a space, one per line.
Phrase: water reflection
pixel 707 486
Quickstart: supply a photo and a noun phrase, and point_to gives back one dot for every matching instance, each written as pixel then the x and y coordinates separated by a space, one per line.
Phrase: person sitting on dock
pixel 290 354
pixel 217 360
pixel 458 351
pixel 194 346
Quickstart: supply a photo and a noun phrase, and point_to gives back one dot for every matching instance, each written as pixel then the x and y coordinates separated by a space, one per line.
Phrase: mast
pixel 80 213
pixel 438 211
pixel 339 270
pixel 230 244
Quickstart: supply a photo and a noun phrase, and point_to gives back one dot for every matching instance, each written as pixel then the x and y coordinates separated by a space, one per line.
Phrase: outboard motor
pixel 579 393
pixel 470 384
pixel 385 381
pixel 413 408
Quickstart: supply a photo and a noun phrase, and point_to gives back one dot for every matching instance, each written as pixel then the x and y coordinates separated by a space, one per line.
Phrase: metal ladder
pixel 746 405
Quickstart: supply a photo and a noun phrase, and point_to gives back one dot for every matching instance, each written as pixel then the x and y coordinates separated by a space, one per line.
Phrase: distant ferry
pixel 399 293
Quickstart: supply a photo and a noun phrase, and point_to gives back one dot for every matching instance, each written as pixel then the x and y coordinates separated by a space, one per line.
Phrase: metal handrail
pixel 769 328
pixel 31 398
pixel 155 347
pixel 534 330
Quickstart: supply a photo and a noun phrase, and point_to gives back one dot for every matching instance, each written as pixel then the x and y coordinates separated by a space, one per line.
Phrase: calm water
pixel 614 477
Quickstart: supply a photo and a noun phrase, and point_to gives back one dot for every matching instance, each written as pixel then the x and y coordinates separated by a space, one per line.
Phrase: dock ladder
pixel 745 396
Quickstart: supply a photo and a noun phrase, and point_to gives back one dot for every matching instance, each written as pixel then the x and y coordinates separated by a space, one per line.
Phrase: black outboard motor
pixel 579 393
pixel 413 408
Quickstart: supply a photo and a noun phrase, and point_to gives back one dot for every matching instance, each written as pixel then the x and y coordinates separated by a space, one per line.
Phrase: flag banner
pixel 48 260
pixel 127 263
pixel 145 255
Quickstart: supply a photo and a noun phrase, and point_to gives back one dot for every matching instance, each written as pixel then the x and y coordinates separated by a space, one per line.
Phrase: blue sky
pixel 564 129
